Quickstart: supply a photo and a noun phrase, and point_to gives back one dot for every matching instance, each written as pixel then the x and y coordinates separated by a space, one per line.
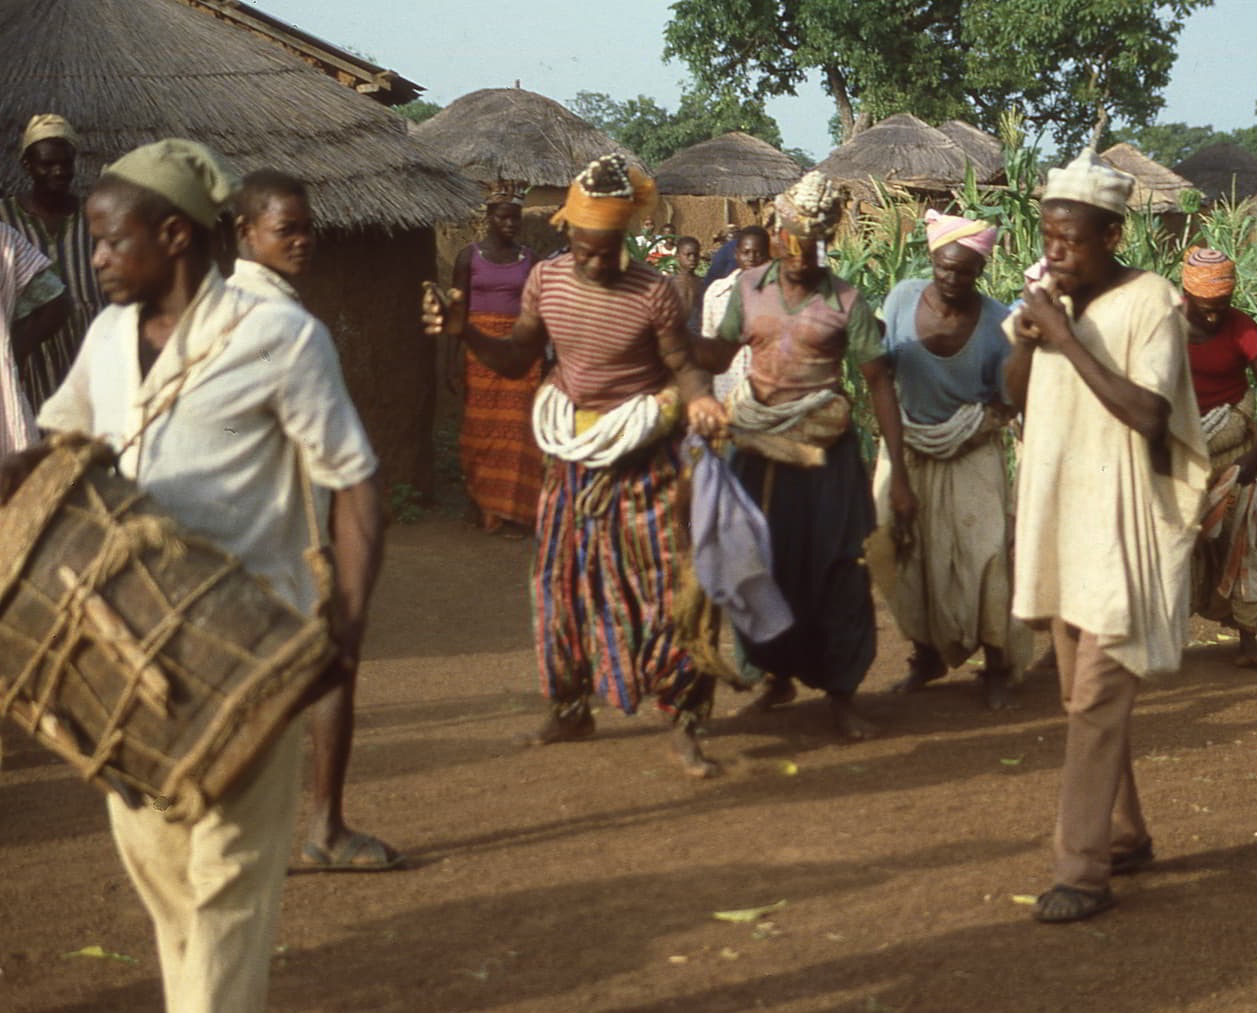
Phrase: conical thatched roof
pixel 731 165
pixel 1156 187
pixel 900 149
pixel 1221 170
pixel 982 149
pixel 510 133
pixel 126 72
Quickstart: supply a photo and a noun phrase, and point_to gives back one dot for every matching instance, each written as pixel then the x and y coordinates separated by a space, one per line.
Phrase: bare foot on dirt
pixel 998 691
pixel 924 666
pixel 849 723
pixel 1247 657
pixel 571 726
pixel 685 747
pixel 777 691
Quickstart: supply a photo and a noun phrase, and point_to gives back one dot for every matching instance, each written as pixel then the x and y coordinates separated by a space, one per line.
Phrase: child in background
pixel 686 281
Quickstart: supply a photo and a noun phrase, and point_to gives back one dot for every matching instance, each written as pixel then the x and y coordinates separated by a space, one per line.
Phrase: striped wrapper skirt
pixel 612 544
pixel 500 459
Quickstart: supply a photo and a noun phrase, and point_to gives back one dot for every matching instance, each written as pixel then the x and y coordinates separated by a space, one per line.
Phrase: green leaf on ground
pixel 101 953
pixel 747 914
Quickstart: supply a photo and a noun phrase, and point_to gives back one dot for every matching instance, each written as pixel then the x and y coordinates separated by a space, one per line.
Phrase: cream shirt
pixel 261 281
pixel 1103 542
pixel 261 391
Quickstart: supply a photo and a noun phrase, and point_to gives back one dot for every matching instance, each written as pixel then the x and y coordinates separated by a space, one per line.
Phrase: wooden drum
pixel 146 657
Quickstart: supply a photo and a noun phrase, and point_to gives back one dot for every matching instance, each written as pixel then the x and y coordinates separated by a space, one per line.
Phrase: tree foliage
pixel 652 132
pixel 1170 143
pixel 1059 62
pixel 419 110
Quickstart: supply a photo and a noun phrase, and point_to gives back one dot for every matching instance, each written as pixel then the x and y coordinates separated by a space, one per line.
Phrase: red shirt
pixel 606 339
pixel 1219 365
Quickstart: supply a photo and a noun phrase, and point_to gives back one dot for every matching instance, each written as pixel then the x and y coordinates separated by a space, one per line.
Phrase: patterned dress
pixel 499 457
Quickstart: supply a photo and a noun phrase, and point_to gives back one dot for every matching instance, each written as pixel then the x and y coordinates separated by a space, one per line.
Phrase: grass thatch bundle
pixel 731 165
pixel 510 133
pixel 1157 189
pixel 903 150
pixel 126 72
pixel 1222 171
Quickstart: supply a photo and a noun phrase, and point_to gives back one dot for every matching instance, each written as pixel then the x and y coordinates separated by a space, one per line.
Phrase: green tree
pixel 653 133
pixel 1059 62
pixel 418 110
pixel 1170 143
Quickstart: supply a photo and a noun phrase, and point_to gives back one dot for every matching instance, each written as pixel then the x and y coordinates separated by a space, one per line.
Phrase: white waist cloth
pixel 745 412
pixel 943 440
pixel 633 424
pixel 1213 420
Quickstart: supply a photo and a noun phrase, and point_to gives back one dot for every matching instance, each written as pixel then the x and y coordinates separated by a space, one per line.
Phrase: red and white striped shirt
pixel 606 338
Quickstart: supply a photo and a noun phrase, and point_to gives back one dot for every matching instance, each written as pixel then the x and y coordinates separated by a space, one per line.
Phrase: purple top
pixel 496 288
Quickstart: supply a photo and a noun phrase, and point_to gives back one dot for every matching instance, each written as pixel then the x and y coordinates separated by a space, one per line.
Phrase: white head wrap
pixel 1088 179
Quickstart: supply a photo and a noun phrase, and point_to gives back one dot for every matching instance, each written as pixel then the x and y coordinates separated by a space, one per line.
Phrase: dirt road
pixel 585 877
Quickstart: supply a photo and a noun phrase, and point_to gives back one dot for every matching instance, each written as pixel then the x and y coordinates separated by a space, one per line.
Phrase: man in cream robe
pixel 1112 473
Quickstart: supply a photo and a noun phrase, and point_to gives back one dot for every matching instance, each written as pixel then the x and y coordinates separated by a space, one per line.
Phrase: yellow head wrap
pixel 192 177
pixel 1208 274
pixel 606 196
pixel 46 127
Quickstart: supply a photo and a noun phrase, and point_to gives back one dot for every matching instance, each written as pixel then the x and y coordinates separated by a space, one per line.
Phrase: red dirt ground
pixel 584 877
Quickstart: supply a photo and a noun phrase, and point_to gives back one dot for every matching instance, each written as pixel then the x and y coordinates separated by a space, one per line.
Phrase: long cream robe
pixel 1103 542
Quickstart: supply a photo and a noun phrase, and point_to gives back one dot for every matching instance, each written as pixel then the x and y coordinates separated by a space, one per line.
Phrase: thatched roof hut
pixel 901 149
pixel 731 165
pixel 1157 188
pixel 126 72
pixel 1221 171
pixel 512 133
pixel 984 150
pixel 350 69
pixel 722 182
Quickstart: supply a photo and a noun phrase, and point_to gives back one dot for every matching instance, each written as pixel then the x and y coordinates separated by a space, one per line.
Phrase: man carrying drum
pixel 216 400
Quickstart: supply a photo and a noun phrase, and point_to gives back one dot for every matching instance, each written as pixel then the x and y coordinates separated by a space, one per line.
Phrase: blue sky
pixel 557 48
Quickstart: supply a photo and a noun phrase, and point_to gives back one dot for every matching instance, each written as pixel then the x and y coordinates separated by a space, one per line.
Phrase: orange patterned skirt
pixel 500 459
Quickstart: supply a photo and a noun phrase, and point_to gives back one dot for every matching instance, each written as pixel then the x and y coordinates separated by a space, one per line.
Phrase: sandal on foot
pixel 1068 904
pixel 356 853
pixel 1123 863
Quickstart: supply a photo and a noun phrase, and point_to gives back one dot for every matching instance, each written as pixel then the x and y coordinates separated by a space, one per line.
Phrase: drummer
pixel 215 399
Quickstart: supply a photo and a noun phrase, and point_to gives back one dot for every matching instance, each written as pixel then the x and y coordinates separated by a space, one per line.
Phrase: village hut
pixel 127 72
pixel 514 134
pixel 903 151
pixel 984 151
pixel 1157 189
pixel 723 181
pixel 1221 171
